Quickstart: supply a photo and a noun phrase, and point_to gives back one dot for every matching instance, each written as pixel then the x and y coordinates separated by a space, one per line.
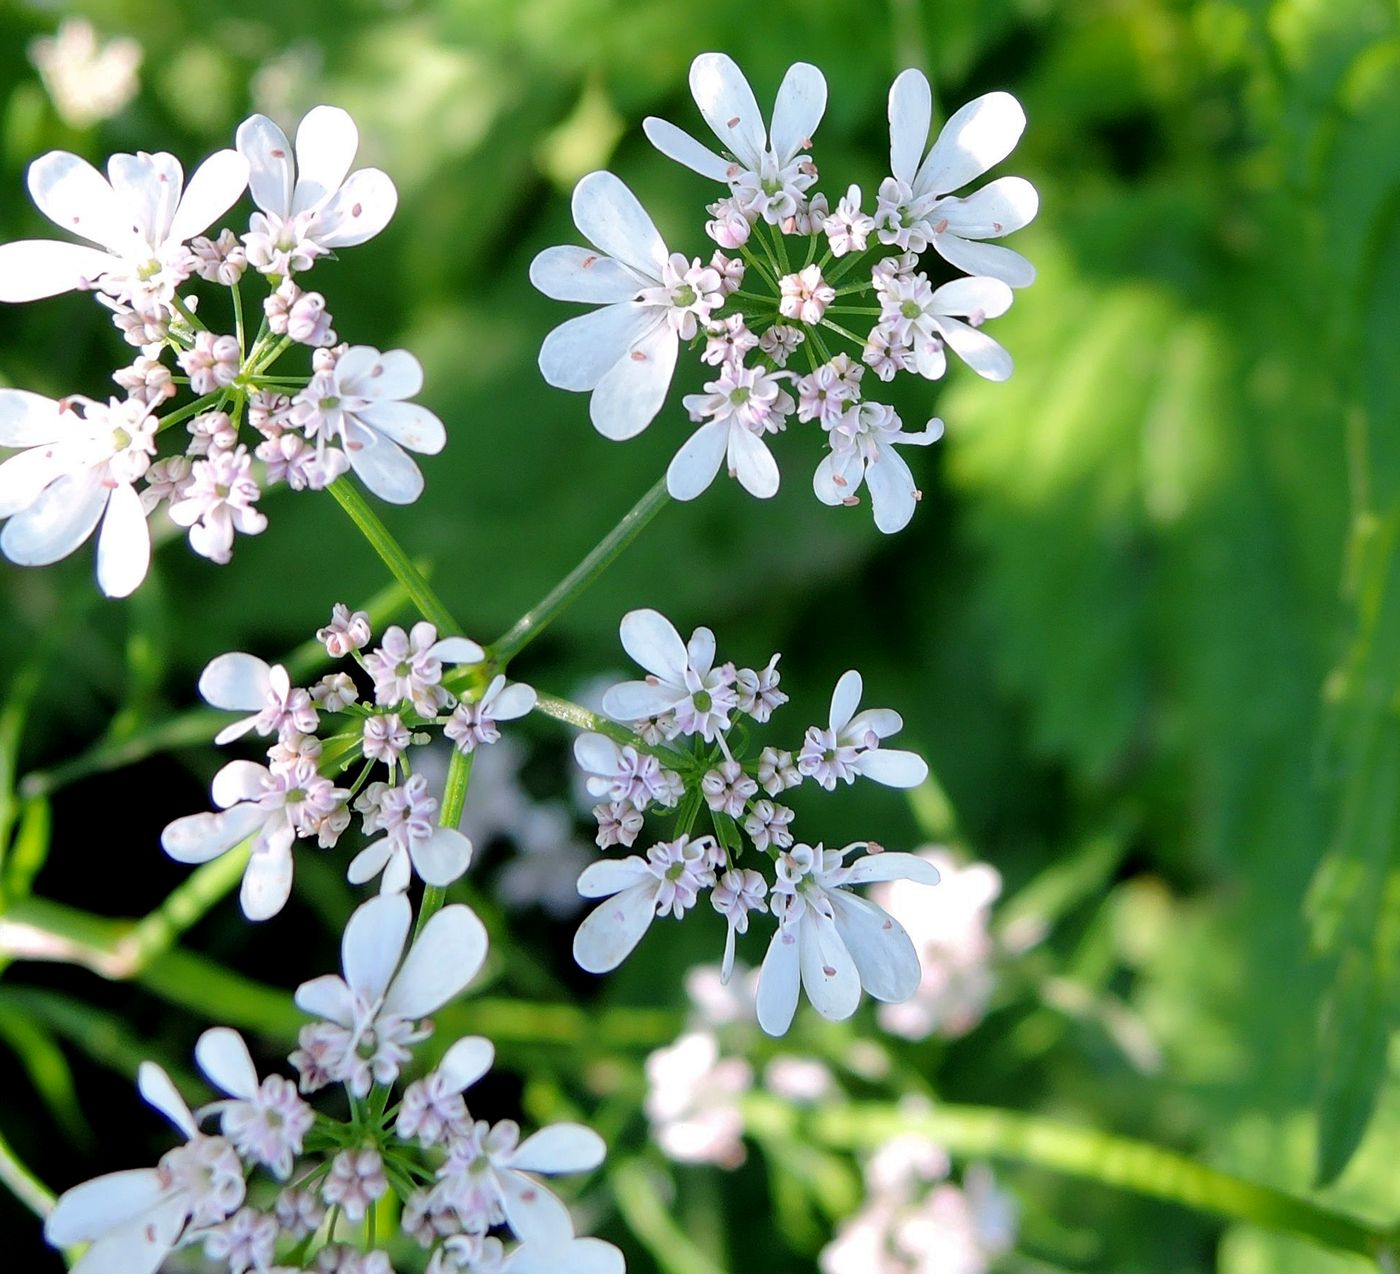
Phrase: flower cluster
pixel 484 1188
pixel 916 1221
pixel 84 462
pixel 687 753
pixel 800 265
pixel 295 794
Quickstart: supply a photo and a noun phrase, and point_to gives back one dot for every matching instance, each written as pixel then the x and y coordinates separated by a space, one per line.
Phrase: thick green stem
pixel 405 571
pixel 23 1184
pixel 1110 1160
pixel 454 798
pixel 531 624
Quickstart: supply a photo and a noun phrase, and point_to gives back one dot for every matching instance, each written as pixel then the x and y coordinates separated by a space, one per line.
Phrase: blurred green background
pixel 1145 625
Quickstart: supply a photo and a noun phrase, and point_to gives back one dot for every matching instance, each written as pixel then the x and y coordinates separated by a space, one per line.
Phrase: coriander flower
pixel 922 320
pixel 141 215
pixel 739 408
pixel 439 855
pixel 850 745
pixel 245 683
pixel 408 666
pixel 75 471
pixel 833 942
pixel 863 440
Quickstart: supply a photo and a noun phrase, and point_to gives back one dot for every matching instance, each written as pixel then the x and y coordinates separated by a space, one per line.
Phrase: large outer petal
pixel 845 699
pixel 610 876
pixel 778 983
pixel 882 951
pixel 752 463
pixel 373 943
pixel 271 173
pixel 124 547
pixel 32 269
pixel 979 135
pixel 799 108
pixel 215 187
pixel 571 273
pixel 327 997
pixel 158 1090
pixel 408 424
pixel 695 465
pixel 829 974
pixel 892 490
pixel 911 111
pixel 978 350
pixel 140 1245
pixel 893 767
pixel 237 681
pixel 267 880
pixel 466 1061
pixel 72 194
pixel 631 392
pixel 989 259
pixel 597 754
pixel 149 187
pixel 611 931
pixel 653 642
pixel 238 781
pixel 534 1213
pixel 578 353
pixel 23 477
pixel 443 857
pixel 891 866
pixel 363 372
pixel 89 1210
pixel 57 522
pixel 327 140
pixel 560 1148
pixel 727 103
pixel 987 297
pixel 446 956
pixel 29 420
pixel 358 211
pixel 382 465
pixel 1000 207
pixel 224 1058
pixel 838 476
pixel 633 700
pixel 675 143
pixel 578 1256
pixel 197 838
pixel 611 218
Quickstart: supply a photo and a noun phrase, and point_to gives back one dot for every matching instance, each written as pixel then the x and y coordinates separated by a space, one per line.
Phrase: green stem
pixel 23 1184
pixel 582 719
pixel 535 620
pixel 188 314
pixel 454 798
pixel 1110 1160
pixel 405 571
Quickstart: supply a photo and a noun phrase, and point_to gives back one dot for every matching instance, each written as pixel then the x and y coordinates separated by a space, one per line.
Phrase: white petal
pixel 571 273
pixel 986 258
pixel 560 1148
pixel 383 466
pixel 327 997
pixel 884 956
pixel 892 767
pixel 978 350
pixel 236 681
pixel 32 269
pixel 235 731
pixel 578 1256
pixel 124 547
pixel 149 188
pixel 358 211
pixel 892 489
pixel 799 108
pixel 697 462
pixel 466 1061
pixel 981 134
pixel 140 1245
pixel 215 187
pixel 72 194
pixel 700 650
pixel 267 881
pixel 675 143
pixel 238 781
pixel 578 353
pixel 362 371
pixel 828 973
pixel 89 1210
pixel 370 861
pixel 326 143
pixel 629 394
pixel 534 1213
pixel 612 220
pixel 653 642
pixel 727 103
pixel 891 866
pixel 882 722
pixel 633 700
pixel 197 838
pixel 845 465
pixel 224 1058
pixel 988 297
pixel 911 110
pixel 373 943
pixel 271 173
pixel 516 700
pixel 1000 207
pixel 408 424
pixel 597 753
pixel 443 857
pixel 610 876
pixel 612 930
pixel 457 650
pixel 398 873
pixel 28 420
pixel 845 699
pixel 23 477
pixel 57 522
pixel 752 463
pixel 778 983
pixel 447 955
pixel 155 1087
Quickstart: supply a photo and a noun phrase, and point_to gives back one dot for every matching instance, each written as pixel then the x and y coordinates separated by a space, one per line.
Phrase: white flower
pixel 245 683
pixel 409 666
pixel 805 295
pixel 923 320
pixel 768 825
pixel 360 401
pixel 141 214
pixel 683 679
pixel 736 893
pixel 863 439
pixel 347 631
pixel 667 881
pixel 915 209
pixel 474 724
pixel 742 405
pixel 767 177
pixel 134 1219
pixel 87 81
pixel 758 692
pixel 577 1256
pixel 265 1120
pixel 439 855
pixel 369 1013
pixel 310 207
pixel 833 942
pixel 622 774
pixel 432 1107
pixel 693 1099
pixel 624 353
pixel 726 787
pixel 850 745
pixel 776 771
pixel 848 228
pixel 74 472
pixel 217 501
pixel 272 806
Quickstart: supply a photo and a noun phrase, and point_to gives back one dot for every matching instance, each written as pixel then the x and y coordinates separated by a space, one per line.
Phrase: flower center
pixel 702 700
pixel 910 309
pixel 684 296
